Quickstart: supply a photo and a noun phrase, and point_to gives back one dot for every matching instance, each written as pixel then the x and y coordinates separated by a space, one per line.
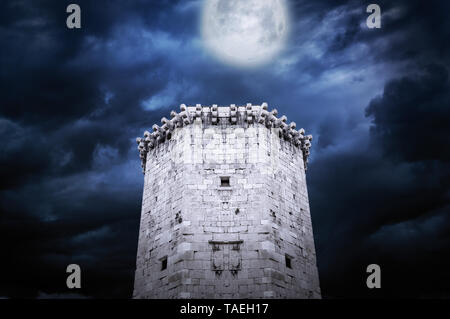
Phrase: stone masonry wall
pixel 225 211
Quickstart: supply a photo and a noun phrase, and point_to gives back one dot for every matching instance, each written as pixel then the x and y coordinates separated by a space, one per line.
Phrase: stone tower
pixel 225 211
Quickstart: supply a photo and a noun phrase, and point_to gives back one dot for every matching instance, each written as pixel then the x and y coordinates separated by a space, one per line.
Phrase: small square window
pixel 288 261
pixel 225 181
pixel 164 263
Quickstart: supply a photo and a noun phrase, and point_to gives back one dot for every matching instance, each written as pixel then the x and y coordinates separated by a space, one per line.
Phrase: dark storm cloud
pixel 389 196
pixel 412 31
pixel 66 150
pixel 411 117
pixel 74 100
pixel 82 226
pixel 383 198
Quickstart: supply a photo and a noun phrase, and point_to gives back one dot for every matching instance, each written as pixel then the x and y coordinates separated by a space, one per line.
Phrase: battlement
pixel 241 116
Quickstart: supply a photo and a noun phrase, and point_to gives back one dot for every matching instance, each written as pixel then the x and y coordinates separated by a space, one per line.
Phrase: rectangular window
pixel 288 261
pixel 225 181
pixel 164 263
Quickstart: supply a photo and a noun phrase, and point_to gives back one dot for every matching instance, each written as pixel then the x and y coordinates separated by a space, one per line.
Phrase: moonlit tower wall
pixel 225 210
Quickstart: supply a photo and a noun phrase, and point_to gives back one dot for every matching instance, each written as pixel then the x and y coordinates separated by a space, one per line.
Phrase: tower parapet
pixel 215 115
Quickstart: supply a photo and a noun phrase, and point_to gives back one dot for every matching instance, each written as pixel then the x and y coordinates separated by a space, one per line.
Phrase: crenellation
pixel 236 115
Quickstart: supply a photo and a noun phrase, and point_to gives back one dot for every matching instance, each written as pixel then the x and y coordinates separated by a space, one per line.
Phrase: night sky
pixel 72 102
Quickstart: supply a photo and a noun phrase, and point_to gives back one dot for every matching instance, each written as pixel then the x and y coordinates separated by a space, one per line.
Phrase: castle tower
pixel 225 211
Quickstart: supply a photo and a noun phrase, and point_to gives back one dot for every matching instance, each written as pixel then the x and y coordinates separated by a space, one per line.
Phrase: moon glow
pixel 244 32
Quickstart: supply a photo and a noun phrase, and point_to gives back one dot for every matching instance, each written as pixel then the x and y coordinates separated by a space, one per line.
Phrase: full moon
pixel 244 32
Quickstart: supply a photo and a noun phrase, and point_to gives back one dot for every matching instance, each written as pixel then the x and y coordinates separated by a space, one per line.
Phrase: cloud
pixel 411 117
pixel 385 200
